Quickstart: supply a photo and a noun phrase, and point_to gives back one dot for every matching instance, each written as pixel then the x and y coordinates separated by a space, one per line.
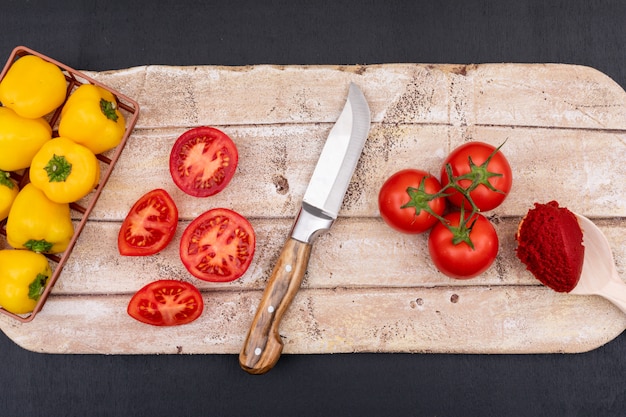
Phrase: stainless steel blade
pixel 339 156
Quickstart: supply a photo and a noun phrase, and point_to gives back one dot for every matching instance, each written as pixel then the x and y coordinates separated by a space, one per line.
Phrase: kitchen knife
pixel 320 206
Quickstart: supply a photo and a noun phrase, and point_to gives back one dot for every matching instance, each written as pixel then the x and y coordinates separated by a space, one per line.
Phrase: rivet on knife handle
pixel 263 344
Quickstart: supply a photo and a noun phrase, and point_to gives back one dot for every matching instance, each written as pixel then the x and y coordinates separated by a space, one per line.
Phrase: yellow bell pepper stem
pixel 33 87
pixel 23 278
pixel 8 192
pixel 91 117
pixel 64 170
pixel 38 224
pixel 20 139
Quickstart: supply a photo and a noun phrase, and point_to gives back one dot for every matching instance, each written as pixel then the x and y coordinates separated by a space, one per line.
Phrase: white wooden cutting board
pixel 368 288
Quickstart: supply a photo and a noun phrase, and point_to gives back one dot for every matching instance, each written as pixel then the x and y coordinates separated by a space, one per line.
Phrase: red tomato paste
pixel 550 245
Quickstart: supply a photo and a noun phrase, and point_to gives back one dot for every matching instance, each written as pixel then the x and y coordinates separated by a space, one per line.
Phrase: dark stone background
pixel 113 34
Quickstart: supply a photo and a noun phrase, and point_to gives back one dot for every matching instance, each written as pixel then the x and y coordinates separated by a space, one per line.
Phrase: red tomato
pixel 166 302
pixel 218 245
pixel 203 161
pixel 149 226
pixel 460 260
pixel 406 202
pixel 471 157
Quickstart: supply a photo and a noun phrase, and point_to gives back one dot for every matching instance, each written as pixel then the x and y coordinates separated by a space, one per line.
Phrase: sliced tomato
pixel 166 302
pixel 149 226
pixel 203 161
pixel 218 245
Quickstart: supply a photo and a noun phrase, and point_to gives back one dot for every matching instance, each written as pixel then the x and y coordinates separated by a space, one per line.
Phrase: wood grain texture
pixel 368 288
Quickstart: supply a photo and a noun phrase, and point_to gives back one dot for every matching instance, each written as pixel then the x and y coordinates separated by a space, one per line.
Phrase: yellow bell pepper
pixel 8 192
pixel 20 139
pixel 23 278
pixel 38 224
pixel 33 87
pixel 91 117
pixel 64 170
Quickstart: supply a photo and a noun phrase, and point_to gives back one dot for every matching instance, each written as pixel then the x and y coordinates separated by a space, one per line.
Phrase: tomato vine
pixel 478 175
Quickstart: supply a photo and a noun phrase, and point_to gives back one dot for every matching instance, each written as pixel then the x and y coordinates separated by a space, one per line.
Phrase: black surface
pixel 112 34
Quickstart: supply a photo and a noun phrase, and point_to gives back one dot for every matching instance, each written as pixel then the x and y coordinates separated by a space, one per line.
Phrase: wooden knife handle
pixel 263 344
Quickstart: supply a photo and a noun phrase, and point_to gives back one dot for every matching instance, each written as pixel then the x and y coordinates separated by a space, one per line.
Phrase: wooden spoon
pixel 599 275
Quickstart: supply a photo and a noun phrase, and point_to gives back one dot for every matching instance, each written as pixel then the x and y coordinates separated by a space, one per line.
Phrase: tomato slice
pixel 203 161
pixel 218 246
pixel 149 226
pixel 166 302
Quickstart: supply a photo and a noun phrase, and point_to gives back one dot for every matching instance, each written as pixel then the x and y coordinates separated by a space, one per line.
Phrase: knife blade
pixel 320 207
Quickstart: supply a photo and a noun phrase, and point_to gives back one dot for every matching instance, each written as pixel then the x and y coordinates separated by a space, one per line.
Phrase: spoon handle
pixel 615 292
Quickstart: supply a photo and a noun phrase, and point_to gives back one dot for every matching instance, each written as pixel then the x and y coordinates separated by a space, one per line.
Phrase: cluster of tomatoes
pixel 475 178
pixel 217 246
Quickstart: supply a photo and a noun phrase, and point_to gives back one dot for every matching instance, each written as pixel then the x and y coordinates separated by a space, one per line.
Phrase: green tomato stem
pixel 420 199
pixel 461 233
